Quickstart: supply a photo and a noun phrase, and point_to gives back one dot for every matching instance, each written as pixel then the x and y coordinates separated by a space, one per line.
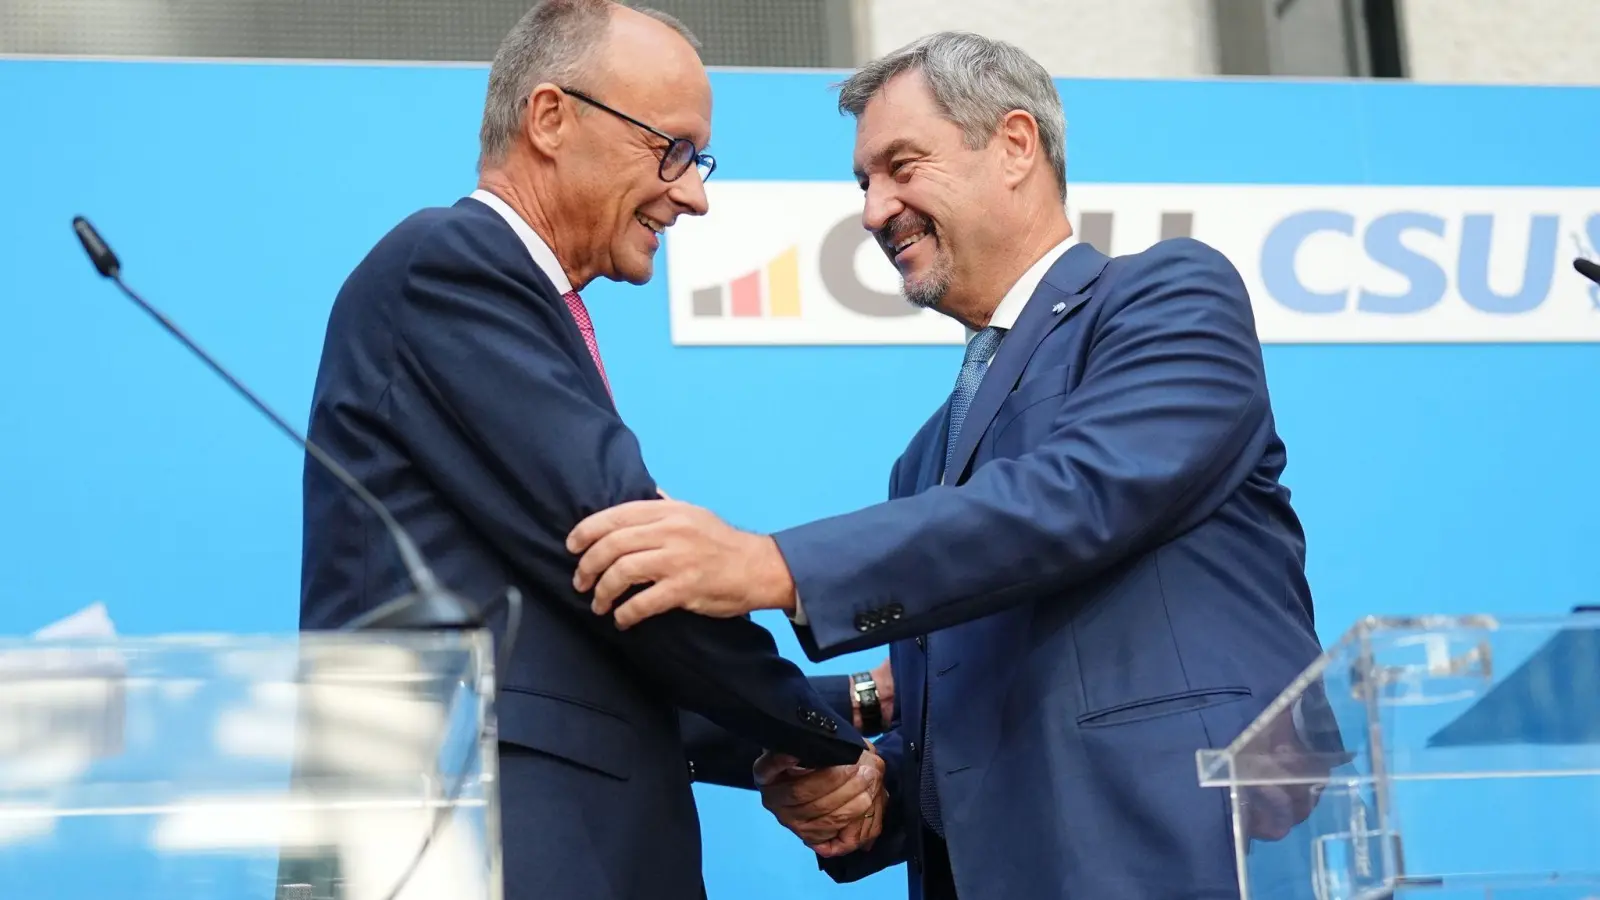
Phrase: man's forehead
pixel 653 75
pixel 681 107
pixel 897 118
pixel 687 120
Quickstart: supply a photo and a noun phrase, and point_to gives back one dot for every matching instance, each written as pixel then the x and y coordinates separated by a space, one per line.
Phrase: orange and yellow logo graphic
pixel 771 291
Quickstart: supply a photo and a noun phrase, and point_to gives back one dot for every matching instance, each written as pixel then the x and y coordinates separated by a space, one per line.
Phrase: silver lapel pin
pixel 1056 310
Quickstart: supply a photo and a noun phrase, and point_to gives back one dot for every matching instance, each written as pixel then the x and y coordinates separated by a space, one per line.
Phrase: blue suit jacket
pixel 455 385
pixel 1110 579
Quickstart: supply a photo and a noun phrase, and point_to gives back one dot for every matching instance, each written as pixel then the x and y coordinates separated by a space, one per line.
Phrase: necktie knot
pixel 982 346
pixel 580 313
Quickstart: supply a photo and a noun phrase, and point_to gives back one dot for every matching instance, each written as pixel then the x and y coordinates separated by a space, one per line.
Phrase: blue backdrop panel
pixel 1430 478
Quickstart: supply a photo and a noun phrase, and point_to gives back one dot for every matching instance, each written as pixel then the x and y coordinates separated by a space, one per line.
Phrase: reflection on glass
pixel 1437 757
pixel 306 765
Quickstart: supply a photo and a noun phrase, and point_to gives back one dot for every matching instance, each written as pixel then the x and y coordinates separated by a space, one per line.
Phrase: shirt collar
pixel 1010 308
pixel 543 256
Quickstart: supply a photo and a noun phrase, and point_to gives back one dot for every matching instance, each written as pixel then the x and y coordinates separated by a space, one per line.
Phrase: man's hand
pixel 690 558
pixel 1293 777
pixel 835 811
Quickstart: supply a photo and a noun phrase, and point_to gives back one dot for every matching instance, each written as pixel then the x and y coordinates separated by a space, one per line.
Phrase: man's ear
pixel 545 116
pixel 1019 138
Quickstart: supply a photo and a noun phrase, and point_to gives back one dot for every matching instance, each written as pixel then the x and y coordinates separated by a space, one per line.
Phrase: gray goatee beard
pixel 928 291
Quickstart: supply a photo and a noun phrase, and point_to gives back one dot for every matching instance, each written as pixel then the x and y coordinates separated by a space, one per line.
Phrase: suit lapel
pixel 932 466
pixel 591 372
pixel 1064 288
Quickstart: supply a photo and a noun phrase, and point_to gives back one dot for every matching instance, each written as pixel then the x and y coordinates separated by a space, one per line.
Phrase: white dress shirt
pixel 1010 308
pixel 1005 316
pixel 543 256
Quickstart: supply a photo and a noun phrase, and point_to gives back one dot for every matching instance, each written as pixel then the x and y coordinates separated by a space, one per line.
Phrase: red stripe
pixel 746 293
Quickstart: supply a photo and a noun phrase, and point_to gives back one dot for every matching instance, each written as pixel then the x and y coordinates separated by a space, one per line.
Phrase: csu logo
pixel 1497 263
pixel 788 262
pixel 773 290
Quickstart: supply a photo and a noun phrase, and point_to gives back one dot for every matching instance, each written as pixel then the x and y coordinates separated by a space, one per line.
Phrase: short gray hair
pixel 975 82
pixel 555 41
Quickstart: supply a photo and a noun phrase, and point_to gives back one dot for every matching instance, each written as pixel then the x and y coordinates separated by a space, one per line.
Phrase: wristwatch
pixel 866 691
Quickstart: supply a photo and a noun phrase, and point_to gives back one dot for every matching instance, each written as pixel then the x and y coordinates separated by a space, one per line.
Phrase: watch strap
pixel 866 694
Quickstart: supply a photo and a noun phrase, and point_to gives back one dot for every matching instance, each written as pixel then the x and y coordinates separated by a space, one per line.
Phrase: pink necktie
pixel 580 314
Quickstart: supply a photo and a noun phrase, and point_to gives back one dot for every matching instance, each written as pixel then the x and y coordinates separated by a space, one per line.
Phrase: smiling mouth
pixel 905 243
pixel 656 227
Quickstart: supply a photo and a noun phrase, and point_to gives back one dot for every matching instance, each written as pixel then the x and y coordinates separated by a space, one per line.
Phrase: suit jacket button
pixel 831 725
pixel 922 642
pixel 896 611
pixel 863 622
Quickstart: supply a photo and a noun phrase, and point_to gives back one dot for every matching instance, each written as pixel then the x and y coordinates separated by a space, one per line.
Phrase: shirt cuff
pixel 798 617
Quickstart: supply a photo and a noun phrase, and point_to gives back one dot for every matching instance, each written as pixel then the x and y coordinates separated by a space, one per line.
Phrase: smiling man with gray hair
pixel 1088 568
pixel 462 382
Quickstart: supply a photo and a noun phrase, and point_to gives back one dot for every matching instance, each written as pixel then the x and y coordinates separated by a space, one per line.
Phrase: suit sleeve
pixel 502 423
pixel 1160 430
pixel 717 756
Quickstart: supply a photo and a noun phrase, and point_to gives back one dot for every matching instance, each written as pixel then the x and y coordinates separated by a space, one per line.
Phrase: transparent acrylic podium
pixel 302 767
pixel 1440 758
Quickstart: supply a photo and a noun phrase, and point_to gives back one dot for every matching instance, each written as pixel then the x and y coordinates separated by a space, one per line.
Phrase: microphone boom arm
pixel 430 606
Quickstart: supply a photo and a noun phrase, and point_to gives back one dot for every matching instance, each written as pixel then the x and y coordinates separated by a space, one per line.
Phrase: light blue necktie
pixel 979 351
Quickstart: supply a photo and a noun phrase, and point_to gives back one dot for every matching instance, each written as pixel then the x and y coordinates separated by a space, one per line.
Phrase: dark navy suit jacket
pixel 1111 579
pixel 454 384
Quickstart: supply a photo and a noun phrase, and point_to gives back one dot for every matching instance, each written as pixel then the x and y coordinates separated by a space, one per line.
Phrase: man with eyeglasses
pixel 462 382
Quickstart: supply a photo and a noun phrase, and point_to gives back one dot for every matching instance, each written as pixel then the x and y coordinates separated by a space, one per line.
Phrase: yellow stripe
pixel 783 284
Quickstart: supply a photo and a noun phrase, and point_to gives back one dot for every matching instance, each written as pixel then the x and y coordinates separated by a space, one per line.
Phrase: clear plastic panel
pixel 302 767
pixel 1445 758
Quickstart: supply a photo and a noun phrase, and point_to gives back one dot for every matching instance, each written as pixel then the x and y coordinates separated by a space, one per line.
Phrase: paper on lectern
pixel 86 627
pixel 60 704
pixel 90 622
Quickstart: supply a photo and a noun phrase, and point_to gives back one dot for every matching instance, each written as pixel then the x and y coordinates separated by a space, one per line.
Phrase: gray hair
pixel 554 42
pixel 975 82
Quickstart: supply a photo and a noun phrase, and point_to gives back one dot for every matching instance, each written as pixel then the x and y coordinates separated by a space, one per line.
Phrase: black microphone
pixel 1588 268
pixel 429 606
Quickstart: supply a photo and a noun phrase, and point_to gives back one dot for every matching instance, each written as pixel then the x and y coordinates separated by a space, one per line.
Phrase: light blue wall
pixel 1430 478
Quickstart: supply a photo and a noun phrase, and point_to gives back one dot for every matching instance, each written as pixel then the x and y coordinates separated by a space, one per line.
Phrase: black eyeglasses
pixel 680 152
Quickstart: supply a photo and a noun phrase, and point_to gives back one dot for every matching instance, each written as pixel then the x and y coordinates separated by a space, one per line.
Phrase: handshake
pixel 835 811
pixel 687 558
pixel 838 810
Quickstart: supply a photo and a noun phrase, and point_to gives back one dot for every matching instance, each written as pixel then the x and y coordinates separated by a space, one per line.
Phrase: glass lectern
pixel 1436 757
pixel 303 767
